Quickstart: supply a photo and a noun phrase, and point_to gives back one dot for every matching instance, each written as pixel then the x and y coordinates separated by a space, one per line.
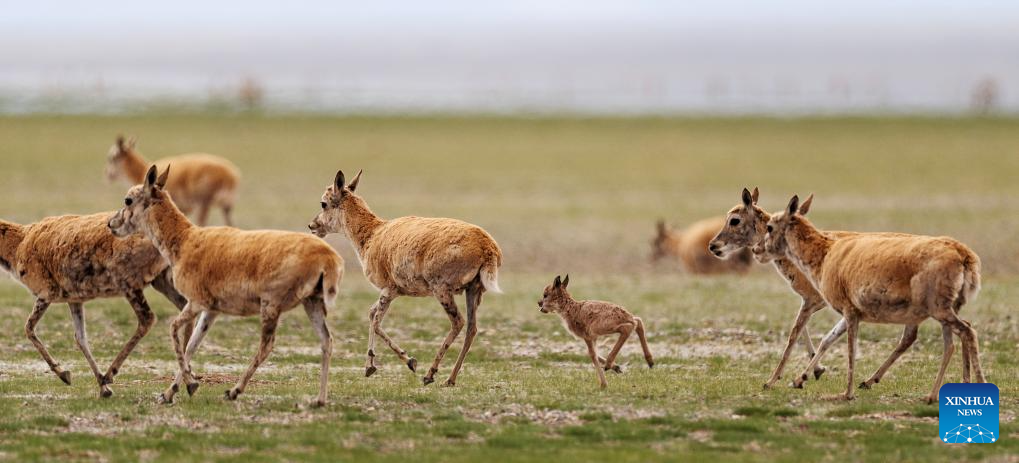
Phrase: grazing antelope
pixel 877 278
pixel 589 320
pixel 690 246
pixel 222 270
pixel 74 259
pixel 200 181
pixel 414 256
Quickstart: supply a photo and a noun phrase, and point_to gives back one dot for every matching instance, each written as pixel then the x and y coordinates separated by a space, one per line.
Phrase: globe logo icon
pixel 969 433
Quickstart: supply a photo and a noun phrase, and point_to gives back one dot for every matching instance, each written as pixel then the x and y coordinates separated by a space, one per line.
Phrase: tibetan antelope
pixel 881 278
pixel 589 320
pixel 413 256
pixel 74 259
pixel 200 181
pixel 746 228
pixel 690 247
pixel 223 270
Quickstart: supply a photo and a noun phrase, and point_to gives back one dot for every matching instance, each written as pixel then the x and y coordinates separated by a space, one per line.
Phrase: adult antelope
pixel 413 256
pixel 223 270
pixel 878 278
pixel 200 181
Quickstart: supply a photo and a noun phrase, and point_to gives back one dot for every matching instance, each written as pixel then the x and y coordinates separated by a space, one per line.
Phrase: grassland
pixel 560 195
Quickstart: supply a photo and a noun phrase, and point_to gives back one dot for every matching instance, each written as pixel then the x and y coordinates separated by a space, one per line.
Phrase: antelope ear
pixel 353 183
pixel 794 205
pixel 161 181
pixel 120 143
pixel 150 177
pixel 748 198
pixel 660 226
pixel 755 195
pixel 131 142
pixel 557 282
pixel 805 207
pixel 566 281
pixel 338 181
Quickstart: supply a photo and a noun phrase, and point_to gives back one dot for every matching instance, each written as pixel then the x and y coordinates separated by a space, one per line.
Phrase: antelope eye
pixel 128 201
pixel 770 229
pixel 324 205
pixel 734 222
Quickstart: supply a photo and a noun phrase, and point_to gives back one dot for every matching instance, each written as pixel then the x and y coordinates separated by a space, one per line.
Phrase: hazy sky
pixel 256 17
pixel 642 55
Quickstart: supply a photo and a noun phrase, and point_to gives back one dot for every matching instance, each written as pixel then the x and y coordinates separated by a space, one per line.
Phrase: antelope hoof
pixel 164 399
pixel 848 397
pixel 65 376
pixel 450 383
pixel 615 368
pixel 427 380
pixel 370 371
pixel 766 386
pixel 650 364
pixel 864 385
pixel 105 392
pixel 318 403
pixel 798 382
pixel 412 364
pixel 231 394
pixel 106 379
pixel 192 387
pixel 819 371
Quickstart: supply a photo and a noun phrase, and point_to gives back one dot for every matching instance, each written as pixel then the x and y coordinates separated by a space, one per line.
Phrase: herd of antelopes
pixel 871 277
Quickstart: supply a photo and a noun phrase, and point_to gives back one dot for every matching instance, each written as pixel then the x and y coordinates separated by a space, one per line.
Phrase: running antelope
pixel 746 228
pixel 589 320
pixel 413 256
pixel 74 259
pixel 877 278
pixel 222 270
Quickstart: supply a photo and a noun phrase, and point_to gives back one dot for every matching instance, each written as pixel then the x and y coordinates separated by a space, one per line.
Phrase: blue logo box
pixel 968 413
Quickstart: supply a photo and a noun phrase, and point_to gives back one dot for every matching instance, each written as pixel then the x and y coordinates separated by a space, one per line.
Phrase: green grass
pixel 560 195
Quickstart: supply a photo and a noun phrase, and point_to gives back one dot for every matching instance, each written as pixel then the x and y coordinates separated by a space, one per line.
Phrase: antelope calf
pixel 589 320
pixel 414 256
pixel 690 246
pixel 200 181
pixel 882 278
pixel 74 259
pixel 222 270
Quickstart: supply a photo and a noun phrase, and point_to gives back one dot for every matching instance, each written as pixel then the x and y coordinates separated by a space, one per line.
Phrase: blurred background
pixel 569 56
pixel 566 128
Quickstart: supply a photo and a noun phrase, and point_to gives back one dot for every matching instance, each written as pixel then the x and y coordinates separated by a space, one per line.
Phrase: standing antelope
pixel 873 277
pixel 200 181
pixel 75 259
pixel 413 256
pixel 690 246
pixel 222 270
pixel 589 320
